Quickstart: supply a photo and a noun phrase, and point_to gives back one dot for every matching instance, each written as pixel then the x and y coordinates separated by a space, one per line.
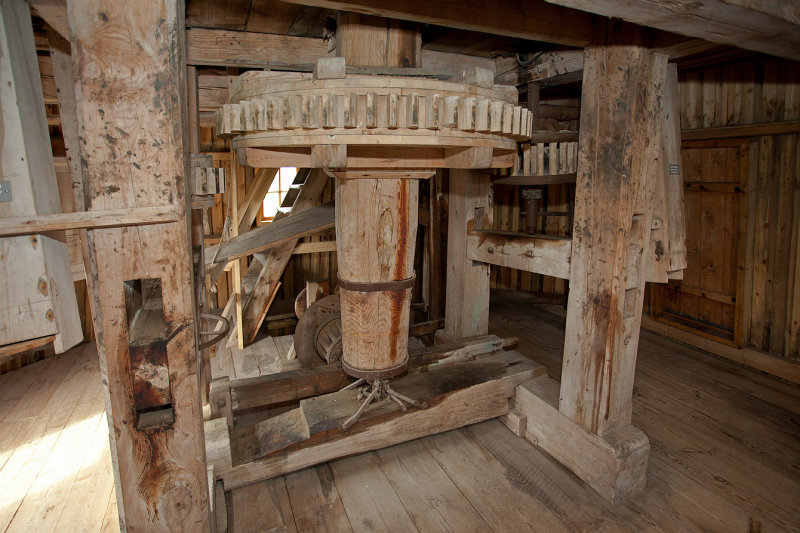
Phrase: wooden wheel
pixel 305 335
pixel 328 339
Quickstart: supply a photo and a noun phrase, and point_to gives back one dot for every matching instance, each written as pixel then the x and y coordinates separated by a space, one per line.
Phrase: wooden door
pixel 704 301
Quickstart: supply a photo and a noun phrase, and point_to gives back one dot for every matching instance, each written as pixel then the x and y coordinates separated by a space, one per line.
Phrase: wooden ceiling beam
pixel 530 19
pixel 741 23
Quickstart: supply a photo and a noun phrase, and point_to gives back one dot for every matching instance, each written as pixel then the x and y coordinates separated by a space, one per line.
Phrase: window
pixel 277 192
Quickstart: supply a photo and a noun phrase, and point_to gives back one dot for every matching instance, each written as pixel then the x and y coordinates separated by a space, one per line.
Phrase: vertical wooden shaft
pixel 378 42
pixel 376 226
pixel 620 137
pixel 376 234
pixel 467 305
pixel 130 72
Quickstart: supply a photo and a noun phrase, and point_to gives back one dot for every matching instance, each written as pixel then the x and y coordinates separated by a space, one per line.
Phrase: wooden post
pixel 586 423
pixel 37 297
pixel 467 289
pixel 376 223
pixel 375 235
pixel 130 73
pixel 620 137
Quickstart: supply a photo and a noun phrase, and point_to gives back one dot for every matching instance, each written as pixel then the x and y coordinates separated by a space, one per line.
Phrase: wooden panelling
pixel 757 263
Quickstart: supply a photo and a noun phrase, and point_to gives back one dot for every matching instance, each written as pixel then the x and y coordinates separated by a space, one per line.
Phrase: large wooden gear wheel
pixel 372 121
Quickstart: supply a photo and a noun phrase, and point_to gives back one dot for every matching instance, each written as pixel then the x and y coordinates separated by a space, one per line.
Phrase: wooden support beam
pixel 133 152
pixel 266 284
pixel 106 218
pixel 36 289
pixel 255 198
pixel 54 13
pixel 614 464
pixel 741 23
pixel 748 130
pixel 212 47
pixel 323 415
pixel 470 207
pixel 539 254
pixel 274 389
pixel 471 404
pixel 274 234
pixel 534 19
pixel 620 138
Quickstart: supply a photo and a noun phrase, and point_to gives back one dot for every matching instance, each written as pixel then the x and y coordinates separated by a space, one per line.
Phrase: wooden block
pixel 292 111
pixel 466 114
pixel 329 156
pixel 548 256
pixel 327 104
pixel 614 465
pixel 350 108
pixel 475 157
pixel 219 399
pixel 482 116
pixel 450 111
pixel 496 116
pixel 469 405
pixel 508 117
pixel 329 68
pixel 393 111
pixel 514 420
pixel 310 111
pixel 433 111
pixel 480 77
pixel 371 110
pixel 412 120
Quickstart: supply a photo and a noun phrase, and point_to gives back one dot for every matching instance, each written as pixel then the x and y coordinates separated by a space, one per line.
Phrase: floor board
pixel 725 455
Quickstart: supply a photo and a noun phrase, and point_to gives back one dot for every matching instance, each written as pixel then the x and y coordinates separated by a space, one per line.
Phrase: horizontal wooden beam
pixel 248 49
pixel 539 254
pixel 740 23
pixel 468 405
pixel 533 19
pixel 314 247
pixel 223 48
pixel 296 226
pixel 9 351
pixel 544 179
pixel 746 130
pixel 614 465
pixel 108 218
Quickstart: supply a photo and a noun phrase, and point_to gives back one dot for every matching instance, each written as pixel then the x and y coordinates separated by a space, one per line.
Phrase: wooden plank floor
pixel 725 456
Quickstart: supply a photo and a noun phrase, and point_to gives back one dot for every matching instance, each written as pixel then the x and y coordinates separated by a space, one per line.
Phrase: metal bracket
pixel 5 191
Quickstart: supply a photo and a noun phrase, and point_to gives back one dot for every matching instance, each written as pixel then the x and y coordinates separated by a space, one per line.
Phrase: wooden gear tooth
pixel 413 112
pixel 393 105
pixel 375 111
pixel 292 111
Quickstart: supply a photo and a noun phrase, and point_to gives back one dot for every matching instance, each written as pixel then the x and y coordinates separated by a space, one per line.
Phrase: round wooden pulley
pixel 305 334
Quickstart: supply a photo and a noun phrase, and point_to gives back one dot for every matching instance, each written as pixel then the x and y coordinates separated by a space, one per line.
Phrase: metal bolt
pixel 529 253
pixel 490 250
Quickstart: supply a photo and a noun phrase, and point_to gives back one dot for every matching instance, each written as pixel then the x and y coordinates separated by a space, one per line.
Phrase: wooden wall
pixel 756 91
pixel 742 193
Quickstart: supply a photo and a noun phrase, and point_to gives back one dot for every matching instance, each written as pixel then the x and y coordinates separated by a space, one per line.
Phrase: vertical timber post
pixel 130 76
pixel 467 282
pixel 376 222
pixel 620 135
pixel 585 423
